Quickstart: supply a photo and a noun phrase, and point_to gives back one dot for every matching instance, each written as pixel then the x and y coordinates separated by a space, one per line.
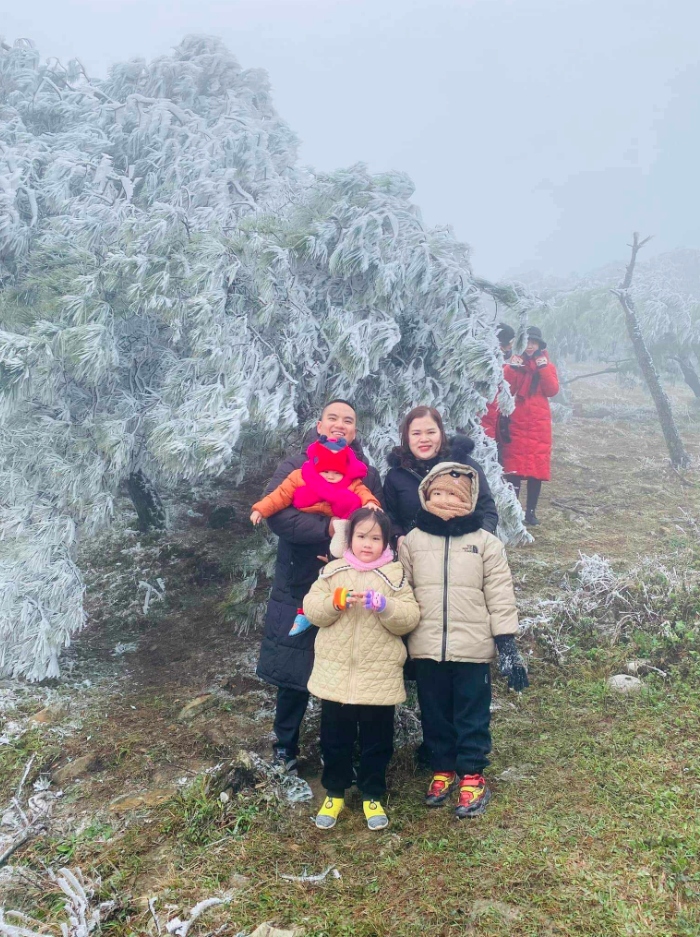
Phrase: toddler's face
pixel 444 498
pixel 367 541
pixel 333 477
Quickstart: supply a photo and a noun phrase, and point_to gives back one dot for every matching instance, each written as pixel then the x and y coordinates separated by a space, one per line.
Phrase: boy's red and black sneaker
pixel 473 796
pixel 441 787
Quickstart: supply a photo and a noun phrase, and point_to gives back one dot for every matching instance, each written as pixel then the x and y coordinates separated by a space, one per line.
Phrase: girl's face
pixel 424 438
pixel 532 347
pixel 367 541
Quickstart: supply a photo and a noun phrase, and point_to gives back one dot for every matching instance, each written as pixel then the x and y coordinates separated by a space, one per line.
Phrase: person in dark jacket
pixel 286 660
pixel 423 445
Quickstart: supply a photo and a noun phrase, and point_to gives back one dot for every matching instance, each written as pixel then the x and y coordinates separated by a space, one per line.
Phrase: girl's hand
pixel 375 601
pixel 256 517
pixel 357 598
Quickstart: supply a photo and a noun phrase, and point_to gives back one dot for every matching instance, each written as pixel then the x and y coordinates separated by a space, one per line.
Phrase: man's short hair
pixel 339 400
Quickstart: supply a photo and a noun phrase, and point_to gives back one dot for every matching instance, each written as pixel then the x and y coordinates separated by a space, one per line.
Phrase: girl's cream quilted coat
pixel 360 654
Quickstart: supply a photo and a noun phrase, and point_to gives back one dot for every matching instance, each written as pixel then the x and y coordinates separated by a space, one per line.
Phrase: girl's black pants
pixel 341 724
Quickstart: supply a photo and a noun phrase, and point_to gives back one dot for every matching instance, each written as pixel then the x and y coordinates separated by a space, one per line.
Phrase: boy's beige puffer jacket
pixel 465 591
pixel 464 588
pixel 359 655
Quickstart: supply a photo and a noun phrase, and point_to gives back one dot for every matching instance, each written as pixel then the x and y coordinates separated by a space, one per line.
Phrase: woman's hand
pixel 256 517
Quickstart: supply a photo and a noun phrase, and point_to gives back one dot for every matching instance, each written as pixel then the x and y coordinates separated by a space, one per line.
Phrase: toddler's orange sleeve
pixel 280 497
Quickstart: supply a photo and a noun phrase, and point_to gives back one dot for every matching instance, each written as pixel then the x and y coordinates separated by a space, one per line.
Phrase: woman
pixel 533 380
pixel 423 445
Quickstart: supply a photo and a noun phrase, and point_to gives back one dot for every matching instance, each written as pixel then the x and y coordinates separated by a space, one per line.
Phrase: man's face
pixel 338 420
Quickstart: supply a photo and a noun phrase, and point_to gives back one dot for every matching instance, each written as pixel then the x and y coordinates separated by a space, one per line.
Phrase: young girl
pixel 362 605
pixel 464 589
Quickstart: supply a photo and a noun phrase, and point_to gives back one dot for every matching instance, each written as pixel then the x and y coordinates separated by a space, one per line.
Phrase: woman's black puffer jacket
pixel 406 473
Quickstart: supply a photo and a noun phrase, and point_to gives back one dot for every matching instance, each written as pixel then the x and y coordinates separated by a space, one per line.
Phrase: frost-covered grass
pixel 596 835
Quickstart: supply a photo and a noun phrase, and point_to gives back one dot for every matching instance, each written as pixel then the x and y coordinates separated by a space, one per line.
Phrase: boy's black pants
pixel 339 729
pixel 455 708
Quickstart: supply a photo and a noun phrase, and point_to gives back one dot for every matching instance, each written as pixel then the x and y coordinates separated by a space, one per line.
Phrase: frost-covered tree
pixel 585 321
pixel 174 286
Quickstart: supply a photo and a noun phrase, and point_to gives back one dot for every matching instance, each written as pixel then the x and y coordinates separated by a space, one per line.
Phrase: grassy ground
pixel 593 828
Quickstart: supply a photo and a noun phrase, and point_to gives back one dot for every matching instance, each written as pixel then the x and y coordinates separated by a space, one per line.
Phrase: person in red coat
pixel 533 380
pixel 490 421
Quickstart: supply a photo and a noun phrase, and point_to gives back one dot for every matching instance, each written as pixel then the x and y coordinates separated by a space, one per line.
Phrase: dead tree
pixel 679 457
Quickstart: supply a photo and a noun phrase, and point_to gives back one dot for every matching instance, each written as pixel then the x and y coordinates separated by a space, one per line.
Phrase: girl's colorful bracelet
pixel 340 599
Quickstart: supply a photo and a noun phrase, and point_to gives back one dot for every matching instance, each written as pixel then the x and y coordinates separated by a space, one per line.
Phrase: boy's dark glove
pixel 511 663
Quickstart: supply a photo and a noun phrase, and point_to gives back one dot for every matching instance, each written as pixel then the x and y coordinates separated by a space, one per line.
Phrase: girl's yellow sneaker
pixel 327 817
pixel 376 817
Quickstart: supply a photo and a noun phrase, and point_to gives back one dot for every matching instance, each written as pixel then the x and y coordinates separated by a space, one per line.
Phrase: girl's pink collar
pixel 386 557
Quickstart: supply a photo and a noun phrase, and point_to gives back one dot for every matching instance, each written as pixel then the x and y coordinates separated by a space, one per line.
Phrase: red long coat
pixel 529 453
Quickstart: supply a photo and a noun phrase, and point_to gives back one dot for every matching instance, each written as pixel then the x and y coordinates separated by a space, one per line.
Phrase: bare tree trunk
pixel 690 375
pixel 679 457
pixel 146 500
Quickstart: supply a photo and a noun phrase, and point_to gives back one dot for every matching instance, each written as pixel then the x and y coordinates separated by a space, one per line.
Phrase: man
pixel 286 661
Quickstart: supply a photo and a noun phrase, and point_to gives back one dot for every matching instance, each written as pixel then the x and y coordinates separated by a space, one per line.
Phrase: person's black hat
pixel 505 334
pixel 536 335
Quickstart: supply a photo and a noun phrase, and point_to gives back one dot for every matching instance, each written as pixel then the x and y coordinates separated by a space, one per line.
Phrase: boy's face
pixel 333 477
pixel 367 541
pixel 444 498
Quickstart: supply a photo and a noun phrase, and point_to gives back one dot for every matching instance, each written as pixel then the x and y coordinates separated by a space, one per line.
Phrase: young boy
pixel 463 585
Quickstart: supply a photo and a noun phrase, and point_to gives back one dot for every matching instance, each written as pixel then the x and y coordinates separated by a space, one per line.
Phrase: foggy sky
pixel 543 131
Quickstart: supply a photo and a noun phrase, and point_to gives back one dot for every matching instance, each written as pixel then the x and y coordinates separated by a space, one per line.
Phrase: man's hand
pixel 373 506
pixel 256 517
pixel 515 361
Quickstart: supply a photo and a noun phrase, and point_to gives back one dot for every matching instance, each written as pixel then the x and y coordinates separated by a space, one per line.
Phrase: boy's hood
pixel 447 468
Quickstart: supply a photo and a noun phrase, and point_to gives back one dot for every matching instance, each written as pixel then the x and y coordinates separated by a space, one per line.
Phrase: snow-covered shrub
pixel 654 607
pixel 176 291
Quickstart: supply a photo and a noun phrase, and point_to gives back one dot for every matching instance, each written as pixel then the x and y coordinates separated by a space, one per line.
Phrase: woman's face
pixel 367 541
pixel 532 347
pixel 424 439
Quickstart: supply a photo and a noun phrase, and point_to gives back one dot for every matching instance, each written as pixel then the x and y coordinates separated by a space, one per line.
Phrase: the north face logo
pixel 470 549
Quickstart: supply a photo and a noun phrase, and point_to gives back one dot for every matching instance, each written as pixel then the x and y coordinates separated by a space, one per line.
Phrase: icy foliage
pixel 84 913
pixel 599 604
pixel 175 290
